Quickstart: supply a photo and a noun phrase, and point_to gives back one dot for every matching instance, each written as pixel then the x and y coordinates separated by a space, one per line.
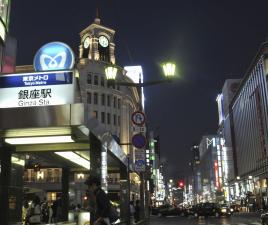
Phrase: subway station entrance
pixel 49 151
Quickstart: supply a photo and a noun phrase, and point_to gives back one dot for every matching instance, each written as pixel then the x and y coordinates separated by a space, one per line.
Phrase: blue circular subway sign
pixel 54 56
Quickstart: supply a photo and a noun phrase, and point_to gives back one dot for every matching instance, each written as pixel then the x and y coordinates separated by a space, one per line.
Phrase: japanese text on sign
pixel 34 94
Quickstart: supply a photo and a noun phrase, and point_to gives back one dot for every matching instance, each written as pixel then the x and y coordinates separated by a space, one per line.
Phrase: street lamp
pixel 169 69
pixel 111 71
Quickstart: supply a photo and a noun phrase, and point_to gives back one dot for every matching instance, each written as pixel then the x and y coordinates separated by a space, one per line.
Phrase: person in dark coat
pixel 137 211
pixel 100 200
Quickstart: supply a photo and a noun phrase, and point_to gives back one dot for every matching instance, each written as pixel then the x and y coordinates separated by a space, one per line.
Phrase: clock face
pixel 86 42
pixel 103 41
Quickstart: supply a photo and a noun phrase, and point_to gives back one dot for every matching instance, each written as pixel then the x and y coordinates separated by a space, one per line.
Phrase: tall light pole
pixel 169 70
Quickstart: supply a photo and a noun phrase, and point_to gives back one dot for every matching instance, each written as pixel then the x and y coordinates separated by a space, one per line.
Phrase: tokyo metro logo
pixel 54 56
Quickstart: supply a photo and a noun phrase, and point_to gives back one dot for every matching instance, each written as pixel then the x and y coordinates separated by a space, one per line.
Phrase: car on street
pixel 155 210
pixel 235 208
pixel 211 209
pixel 170 211
pixel 188 210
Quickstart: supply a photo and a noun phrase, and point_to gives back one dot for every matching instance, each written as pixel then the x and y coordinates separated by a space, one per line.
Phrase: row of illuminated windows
pixel 43 175
pixel 107 118
pixel 105 99
pixel 51 175
pixel 98 79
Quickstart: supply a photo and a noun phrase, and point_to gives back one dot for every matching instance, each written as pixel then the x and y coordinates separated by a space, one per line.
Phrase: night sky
pixel 209 40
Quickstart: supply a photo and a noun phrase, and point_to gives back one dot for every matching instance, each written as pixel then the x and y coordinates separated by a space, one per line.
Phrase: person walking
pixel 100 202
pixel 34 212
pixel 137 211
pixel 132 210
pixel 24 212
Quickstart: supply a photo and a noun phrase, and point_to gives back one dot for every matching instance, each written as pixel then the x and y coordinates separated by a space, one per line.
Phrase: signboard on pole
pixel 140 160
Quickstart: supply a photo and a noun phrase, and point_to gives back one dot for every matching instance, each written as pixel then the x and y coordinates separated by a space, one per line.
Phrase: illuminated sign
pixel 220 107
pixel 2 31
pixel 135 73
pixel 54 56
pixel 216 172
pixel 36 89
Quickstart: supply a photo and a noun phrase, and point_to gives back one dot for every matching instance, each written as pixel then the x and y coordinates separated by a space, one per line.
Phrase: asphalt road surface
pixel 237 219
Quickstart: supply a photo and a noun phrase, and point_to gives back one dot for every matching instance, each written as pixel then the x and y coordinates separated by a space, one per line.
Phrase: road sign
pixel 139 141
pixel 140 160
pixel 139 165
pixel 138 118
pixel 138 129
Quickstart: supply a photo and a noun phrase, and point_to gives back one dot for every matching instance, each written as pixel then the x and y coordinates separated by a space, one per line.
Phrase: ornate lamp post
pixel 169 70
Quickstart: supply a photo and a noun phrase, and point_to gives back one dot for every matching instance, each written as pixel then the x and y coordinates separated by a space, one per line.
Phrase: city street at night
pixel 133 112
pixel 237 219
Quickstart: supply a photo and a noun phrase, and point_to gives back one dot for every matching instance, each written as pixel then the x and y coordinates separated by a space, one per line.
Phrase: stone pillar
pixel 95 155
pixel 95 165
pixel 5 178
pixel 65 193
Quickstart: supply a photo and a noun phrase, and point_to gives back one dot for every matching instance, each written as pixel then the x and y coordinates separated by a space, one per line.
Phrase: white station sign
pixel 37 89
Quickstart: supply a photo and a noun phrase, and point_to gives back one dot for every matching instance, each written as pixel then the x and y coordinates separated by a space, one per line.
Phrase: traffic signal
pixel 181 184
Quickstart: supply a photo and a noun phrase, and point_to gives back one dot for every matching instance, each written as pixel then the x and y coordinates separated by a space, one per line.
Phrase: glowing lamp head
pixel 169 69
pixel 110 72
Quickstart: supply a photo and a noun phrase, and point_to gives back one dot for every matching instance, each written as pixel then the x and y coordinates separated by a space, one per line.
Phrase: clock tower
pixel 97 43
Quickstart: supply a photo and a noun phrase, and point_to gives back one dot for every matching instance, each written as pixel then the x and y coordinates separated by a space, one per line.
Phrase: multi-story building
pixel 113 105
pixel 108 112
pixel 223 101
pixel 210 170
pixel 249 129
pixel 4 24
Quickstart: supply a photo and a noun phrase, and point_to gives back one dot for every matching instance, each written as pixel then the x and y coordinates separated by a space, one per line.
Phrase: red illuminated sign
pixel 216 171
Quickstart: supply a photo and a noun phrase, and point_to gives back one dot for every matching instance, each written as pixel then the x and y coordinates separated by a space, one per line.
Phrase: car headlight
pixel 231 210
pixel 223 210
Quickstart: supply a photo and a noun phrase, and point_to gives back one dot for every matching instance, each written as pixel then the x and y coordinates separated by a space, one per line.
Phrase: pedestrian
pixel 24 212
pixel 54 211
pixel 137 211
pixel 59 210
pixel 131 209
pixel 101 202
pixel 50 213
pixel 44 212
pixel 263 204
pixel 34 212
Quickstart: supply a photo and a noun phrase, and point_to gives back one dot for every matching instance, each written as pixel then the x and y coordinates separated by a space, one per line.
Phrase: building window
pixel 119 103
pixel 114 119
pixel 95 114
pixel 118 121
pixel 96 80
pixel 108 118
pixel 89 97
pixel 103 99
pixel 103 117
pixel 108 100
pixel 89 78
pixel 102 81
pixel 96 98
pixel 114 102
